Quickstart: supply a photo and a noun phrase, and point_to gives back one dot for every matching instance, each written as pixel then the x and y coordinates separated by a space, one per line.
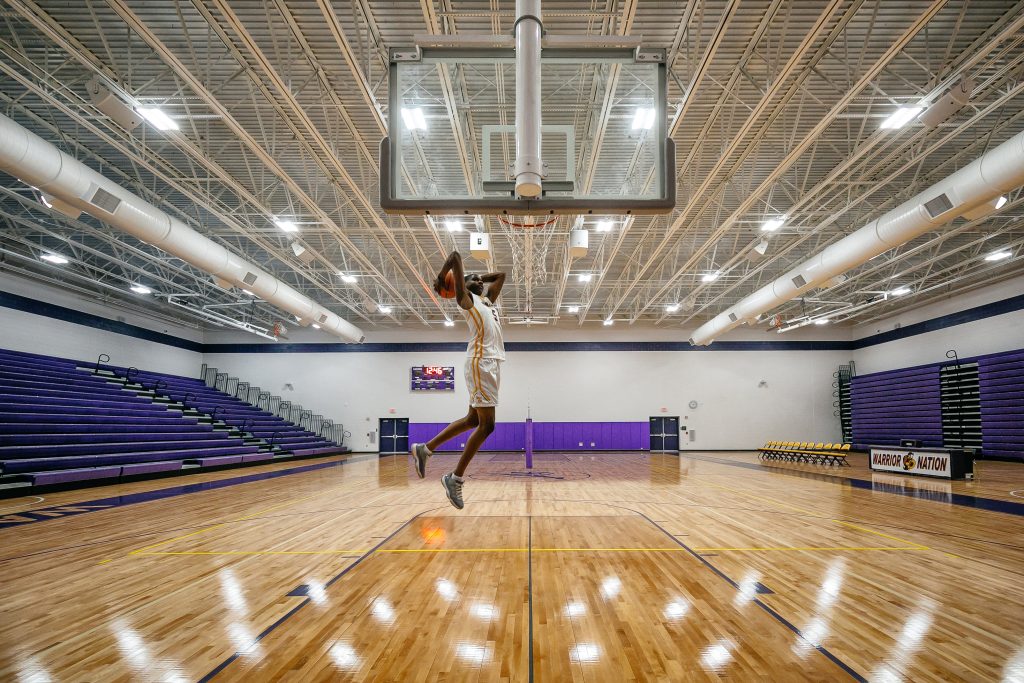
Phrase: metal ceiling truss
pixel 774 108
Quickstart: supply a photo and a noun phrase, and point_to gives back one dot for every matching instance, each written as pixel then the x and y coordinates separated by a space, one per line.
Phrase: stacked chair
pixel 62 422
pixel 806 451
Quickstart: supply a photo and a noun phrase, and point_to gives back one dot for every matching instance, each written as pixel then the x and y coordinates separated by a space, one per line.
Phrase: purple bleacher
pixel 218 460
pixel 60 423
pixel 257 457
pixel 898 404
pixel 67 476
pixel 233 411
pixel 1001 387
pixel 28 465
pixel 906 404
pixel 150 467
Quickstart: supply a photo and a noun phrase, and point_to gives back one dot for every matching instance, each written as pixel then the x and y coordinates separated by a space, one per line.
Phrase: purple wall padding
pixel 548 436
pixel 507 436
pixel 1001 386
pixel 899 404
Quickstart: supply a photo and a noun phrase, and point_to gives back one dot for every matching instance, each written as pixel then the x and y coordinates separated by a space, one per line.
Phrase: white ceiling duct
pixel 978 183
pixel 36 162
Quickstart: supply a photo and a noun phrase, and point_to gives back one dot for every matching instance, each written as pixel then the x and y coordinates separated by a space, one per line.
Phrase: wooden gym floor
pixel 610 567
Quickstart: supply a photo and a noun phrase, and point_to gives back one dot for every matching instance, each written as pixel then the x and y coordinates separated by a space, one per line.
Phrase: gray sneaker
pixel 453 487
pixel 420 453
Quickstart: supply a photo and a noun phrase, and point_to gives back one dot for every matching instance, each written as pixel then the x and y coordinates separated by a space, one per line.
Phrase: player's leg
pixel 484 400
pixel 453 481
pixel 485 427
pixel 422 451
pixel 463 424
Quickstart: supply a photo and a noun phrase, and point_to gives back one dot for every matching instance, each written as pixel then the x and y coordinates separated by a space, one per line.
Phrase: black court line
pixel 61 511
pixel 223 665
pixel 962 499
pixel 529 582
pixel 775 615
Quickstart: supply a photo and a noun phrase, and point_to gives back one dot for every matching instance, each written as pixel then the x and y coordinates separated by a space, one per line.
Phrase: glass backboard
pixel 452 146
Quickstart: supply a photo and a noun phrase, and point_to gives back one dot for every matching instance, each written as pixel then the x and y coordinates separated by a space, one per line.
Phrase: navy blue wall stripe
pixel 1014 303
pixel 21 303
pixel 27 305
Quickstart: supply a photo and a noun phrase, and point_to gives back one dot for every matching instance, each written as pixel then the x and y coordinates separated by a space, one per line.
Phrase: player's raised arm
pixel 453 265
pixel 494 281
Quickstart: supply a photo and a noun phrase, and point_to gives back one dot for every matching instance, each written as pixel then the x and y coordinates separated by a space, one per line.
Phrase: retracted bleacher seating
pixel 1001 385
pixel 61 423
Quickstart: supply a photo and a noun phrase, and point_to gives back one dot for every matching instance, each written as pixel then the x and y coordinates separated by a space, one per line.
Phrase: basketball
pixel 448 291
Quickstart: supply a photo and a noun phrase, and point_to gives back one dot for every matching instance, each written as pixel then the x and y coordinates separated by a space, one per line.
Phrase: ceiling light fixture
pixel 604 226
pixel 608 322
pixel 774 224
pixel 158 118
pixel 414 119
pixel 449 323
pixel 315 326
pixel 710 277
pixel 453 226
pixel 287 226
pixel 998 255
pixel 643 118
pixel 345 277
pixel 54 258
pixel 822 321
pixel 900 117
pixel 672 308
pixel 384 309
pixel 900 291
pixel 574 309
pixel 141 289
pixel 584 277
pixel 246 291
pixel 1001 202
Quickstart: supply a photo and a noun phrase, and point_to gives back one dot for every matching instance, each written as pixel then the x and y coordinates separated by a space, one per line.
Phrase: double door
pixel 664 434
pixel 394 435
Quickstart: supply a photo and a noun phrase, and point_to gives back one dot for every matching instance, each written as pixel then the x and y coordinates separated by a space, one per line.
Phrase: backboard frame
pixel 662 201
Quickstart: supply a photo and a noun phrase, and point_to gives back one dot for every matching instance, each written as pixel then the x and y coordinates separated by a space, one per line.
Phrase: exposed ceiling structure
pixel 776 109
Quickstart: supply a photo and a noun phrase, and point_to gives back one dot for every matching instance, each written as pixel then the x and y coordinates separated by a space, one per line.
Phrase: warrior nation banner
pixel 933 464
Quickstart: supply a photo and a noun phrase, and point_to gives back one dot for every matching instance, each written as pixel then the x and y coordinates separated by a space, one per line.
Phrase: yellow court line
pixel 879 533
pixel 252 552
pixel 707 550
pixel 519 550
pixel 776 503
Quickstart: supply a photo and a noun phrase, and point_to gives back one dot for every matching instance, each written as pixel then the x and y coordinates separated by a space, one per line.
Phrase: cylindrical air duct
pixel 529 167
pixel 997 171
pixel 36 162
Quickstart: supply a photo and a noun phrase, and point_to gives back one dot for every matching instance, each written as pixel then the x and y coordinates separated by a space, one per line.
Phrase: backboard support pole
pixel 529 165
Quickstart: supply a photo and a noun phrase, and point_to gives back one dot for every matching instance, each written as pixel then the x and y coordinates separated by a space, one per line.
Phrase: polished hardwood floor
pixel 609 567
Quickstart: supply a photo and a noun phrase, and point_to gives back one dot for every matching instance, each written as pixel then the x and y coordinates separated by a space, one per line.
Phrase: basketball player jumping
pixel 475 295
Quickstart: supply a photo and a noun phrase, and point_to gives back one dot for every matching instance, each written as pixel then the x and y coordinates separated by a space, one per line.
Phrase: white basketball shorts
pixel 483 377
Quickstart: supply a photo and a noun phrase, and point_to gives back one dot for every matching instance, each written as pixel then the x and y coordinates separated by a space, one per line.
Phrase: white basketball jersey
pixel 486 341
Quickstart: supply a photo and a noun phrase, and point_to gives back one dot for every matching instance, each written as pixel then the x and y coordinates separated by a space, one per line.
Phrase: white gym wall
pixel 733 411
pixel 42 334
pixel 988 335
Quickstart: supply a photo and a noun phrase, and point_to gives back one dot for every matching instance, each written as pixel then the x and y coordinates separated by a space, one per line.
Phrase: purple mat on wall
pixel 547 436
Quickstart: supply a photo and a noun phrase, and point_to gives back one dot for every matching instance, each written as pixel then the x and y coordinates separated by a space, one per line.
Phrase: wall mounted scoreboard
pixel 433 378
